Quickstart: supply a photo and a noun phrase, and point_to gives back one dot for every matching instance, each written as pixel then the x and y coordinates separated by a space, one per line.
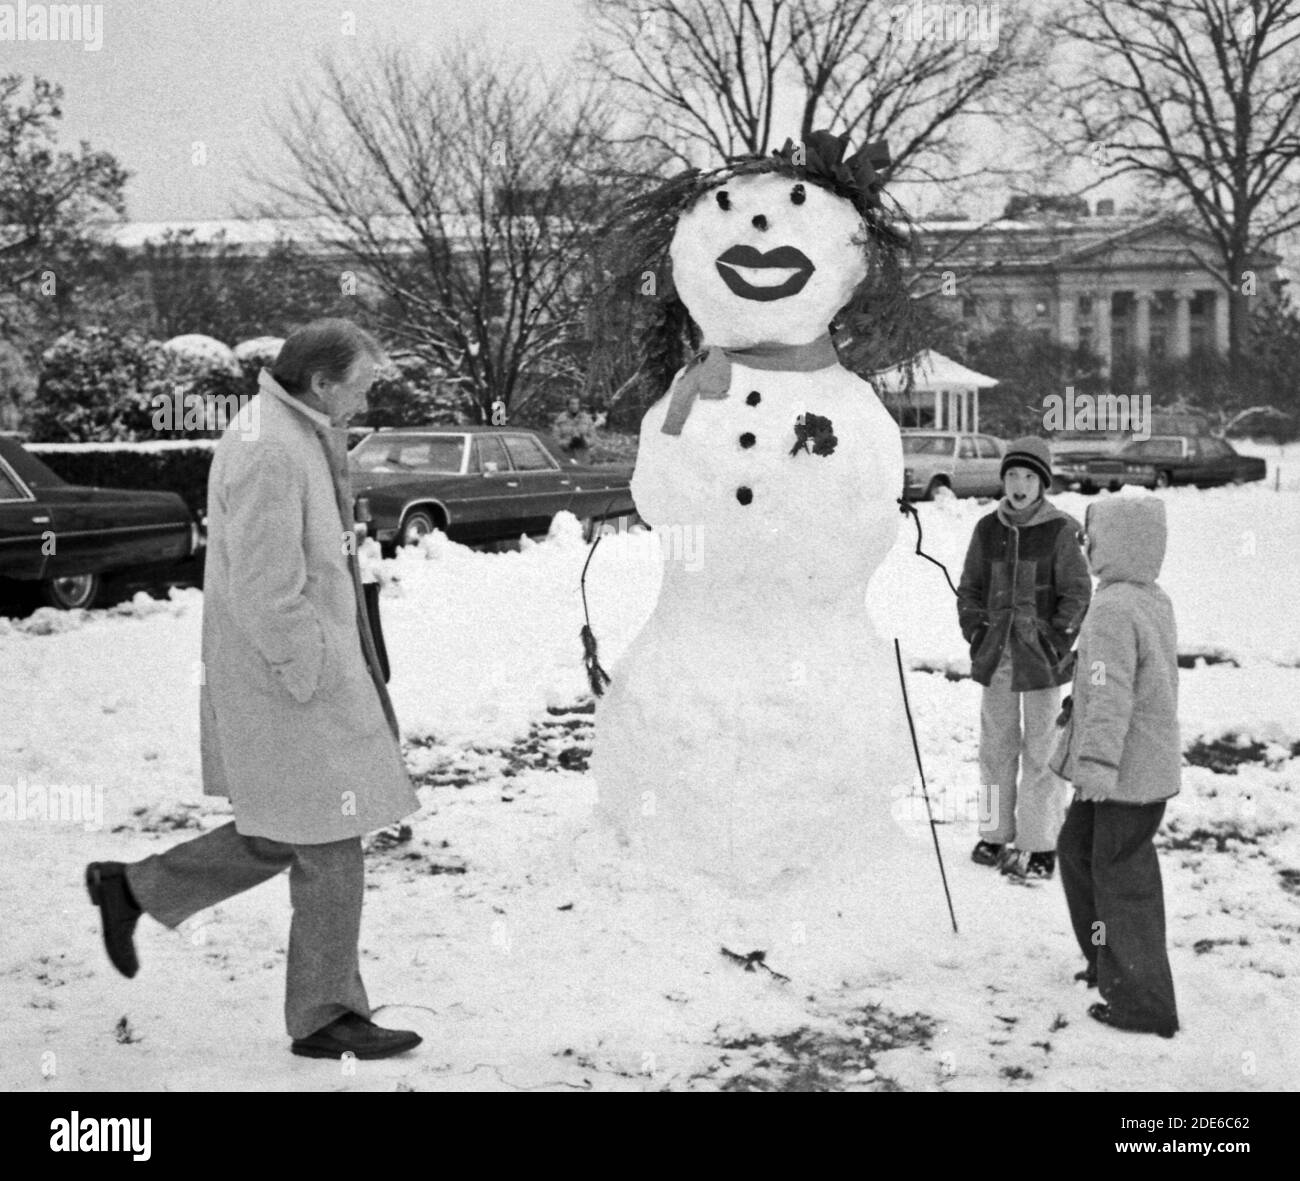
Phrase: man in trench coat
pixel 297 728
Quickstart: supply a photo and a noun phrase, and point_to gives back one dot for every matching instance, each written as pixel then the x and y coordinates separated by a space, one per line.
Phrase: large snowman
pixel 754 730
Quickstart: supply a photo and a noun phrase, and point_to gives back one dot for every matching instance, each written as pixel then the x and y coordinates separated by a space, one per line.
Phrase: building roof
pixel 1057 243
pixel 932 371
pixel 257 235
pixel 1042 244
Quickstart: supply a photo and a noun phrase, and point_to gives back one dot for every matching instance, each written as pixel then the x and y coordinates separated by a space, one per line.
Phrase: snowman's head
pixel 767 257
pixel 773 249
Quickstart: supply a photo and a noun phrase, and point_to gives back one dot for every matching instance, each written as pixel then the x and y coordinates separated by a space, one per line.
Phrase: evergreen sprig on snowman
pixel 754 728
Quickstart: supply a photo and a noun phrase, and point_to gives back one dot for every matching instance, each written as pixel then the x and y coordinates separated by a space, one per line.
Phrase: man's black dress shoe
pixel 1102 1012
pixel 118 912
pixel 353 1034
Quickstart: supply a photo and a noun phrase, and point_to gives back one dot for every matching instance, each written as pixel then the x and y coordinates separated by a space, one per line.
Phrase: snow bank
pixel 1283 461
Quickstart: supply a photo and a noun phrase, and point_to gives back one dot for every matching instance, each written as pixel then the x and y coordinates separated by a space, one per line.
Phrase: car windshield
pixel 928 444
pixel 436 454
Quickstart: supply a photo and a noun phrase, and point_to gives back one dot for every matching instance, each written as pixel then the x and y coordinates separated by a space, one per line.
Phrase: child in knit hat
pixel 1122 751
pixel 1023 594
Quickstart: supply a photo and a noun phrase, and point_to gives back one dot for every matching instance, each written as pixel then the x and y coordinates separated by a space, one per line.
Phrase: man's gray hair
pixel 329 346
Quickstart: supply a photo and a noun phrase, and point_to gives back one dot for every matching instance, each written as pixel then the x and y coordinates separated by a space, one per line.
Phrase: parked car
pixel 66 537
pixel 1089 471
pixel 1075 446
pixel 965 464
pixel 1163 461
pixel 478 484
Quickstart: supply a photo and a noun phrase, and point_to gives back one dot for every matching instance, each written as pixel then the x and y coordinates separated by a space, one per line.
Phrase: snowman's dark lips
pixel 782 257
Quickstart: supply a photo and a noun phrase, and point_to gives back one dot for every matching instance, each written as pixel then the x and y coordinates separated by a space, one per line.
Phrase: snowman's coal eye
pixel 724 199
pixel 797 195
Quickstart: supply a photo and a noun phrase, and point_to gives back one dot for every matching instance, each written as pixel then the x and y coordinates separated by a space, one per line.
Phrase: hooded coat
pixel 1026 586
pixel 296 724
pixel 1122 740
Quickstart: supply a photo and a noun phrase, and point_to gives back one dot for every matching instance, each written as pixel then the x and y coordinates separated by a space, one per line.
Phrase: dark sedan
pixel 65 537
pixel 478 484
pixel 1161 462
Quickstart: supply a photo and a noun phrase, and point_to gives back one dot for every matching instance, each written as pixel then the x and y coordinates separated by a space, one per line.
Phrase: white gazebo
pixel 943 390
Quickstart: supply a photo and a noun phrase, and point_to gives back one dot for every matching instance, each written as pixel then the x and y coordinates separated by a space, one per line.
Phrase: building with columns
pixel 1127 288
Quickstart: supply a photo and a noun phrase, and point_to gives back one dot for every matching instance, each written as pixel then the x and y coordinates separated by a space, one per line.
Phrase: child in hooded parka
pixel 1121 749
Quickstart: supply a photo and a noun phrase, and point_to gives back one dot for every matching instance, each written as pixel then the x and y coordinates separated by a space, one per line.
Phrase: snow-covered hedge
pixel 99 384
pixel 179 466
pixel 164 465
pixel 102 386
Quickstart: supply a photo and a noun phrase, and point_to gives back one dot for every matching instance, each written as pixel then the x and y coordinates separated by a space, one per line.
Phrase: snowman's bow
pixel 820 157
pixel 708 374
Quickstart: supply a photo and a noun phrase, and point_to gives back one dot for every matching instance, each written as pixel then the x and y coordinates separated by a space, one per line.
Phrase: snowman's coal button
pixel 744 495
pixel 747 439
pixel 754 398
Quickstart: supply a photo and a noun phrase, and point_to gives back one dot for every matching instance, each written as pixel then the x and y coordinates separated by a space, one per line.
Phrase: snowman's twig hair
pixel 879 319
pixel 643 227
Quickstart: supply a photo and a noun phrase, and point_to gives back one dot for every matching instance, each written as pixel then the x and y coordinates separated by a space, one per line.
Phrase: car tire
pixel 939 487
pixel 1164 479
pixel 71 594
pixel 416 526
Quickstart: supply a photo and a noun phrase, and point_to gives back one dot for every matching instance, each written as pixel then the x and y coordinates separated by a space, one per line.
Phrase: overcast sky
pixel 173 72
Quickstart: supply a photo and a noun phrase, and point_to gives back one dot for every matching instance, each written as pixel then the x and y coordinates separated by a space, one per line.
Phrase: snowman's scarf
pixel 708 375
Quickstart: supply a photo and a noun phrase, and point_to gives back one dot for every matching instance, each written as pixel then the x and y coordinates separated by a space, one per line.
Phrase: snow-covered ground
pixel 1283 461
pixel 504 932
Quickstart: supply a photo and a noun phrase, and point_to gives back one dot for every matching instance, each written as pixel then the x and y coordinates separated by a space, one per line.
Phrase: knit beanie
pixel 1030 452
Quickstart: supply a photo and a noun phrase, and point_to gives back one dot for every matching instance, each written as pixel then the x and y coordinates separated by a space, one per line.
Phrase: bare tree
pixel 864 72
pixel 1198 100
pixel 467 194
pixel 697 73
pixel 707 78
